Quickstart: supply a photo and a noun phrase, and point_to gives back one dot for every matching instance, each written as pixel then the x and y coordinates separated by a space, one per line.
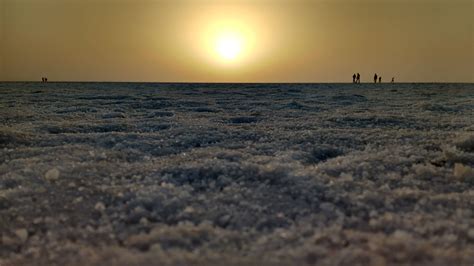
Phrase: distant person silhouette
pixel 380 79
pixel 42 79
pixel 45 79
pixel 354 78
pixel 375 78
pixel 358 78
pixel 393 79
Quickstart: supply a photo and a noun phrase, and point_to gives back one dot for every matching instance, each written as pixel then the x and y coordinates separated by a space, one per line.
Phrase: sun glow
pixel 226 41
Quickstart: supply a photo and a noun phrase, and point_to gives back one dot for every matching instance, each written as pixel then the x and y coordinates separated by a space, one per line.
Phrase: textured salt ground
pixel 177 174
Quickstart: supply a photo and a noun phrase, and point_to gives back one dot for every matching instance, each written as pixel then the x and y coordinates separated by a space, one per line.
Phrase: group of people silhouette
pixel 356 78
pixel 43 79
pixel 375 78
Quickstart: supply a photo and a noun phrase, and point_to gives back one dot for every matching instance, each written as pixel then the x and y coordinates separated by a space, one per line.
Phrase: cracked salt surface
pixel 213 174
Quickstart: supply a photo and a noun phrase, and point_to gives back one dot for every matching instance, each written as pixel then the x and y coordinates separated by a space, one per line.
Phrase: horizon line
pixel 236 82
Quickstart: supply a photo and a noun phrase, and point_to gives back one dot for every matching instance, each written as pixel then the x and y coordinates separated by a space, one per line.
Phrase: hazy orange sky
pixel 279 41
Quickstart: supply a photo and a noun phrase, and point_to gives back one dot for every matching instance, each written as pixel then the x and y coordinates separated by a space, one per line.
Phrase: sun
pixel 229 46
pixel 226 44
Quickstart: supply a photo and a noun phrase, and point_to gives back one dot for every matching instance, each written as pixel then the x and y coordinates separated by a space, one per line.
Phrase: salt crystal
pixel 52 174
pixel 462 171
pixel 99 206
pixel 22 234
